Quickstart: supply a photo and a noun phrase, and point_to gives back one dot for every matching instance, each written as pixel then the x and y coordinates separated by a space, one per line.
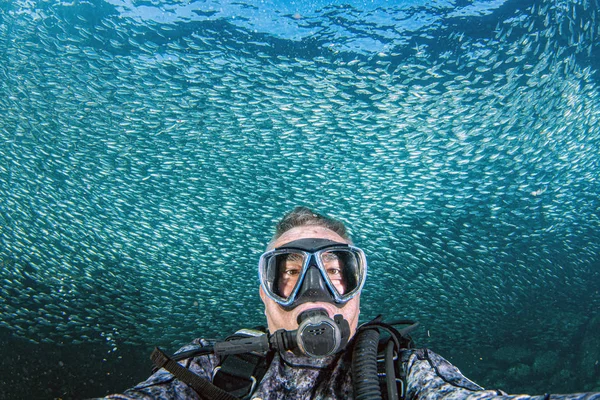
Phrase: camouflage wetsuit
pixel 428 376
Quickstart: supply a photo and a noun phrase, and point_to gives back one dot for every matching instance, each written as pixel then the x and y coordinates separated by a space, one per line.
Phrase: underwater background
pixel 147 149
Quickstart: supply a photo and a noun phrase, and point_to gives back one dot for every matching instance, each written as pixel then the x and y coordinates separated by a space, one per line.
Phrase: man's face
pixel 277 317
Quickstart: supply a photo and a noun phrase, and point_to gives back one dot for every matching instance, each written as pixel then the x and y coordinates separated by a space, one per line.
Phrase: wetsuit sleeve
pixel 428 376
pixel 162 385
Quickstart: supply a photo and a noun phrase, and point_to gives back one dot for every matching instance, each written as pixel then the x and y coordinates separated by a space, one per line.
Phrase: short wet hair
pixel 304 216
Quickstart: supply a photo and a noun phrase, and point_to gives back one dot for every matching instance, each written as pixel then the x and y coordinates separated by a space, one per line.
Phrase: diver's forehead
pixel 307 232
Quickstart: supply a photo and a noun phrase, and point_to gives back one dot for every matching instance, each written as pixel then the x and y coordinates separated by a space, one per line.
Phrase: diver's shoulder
pixel 423 363
pixel 422 353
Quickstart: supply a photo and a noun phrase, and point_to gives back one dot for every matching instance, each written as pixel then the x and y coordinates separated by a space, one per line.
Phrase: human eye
pixel 334 272
pixel 292 267
pixel 291 272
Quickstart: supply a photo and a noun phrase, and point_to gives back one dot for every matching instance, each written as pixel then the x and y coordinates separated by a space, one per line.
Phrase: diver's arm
pixel 162 385
pixel 429 376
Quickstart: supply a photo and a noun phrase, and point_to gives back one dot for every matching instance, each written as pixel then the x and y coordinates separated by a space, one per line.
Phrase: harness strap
pixel 203 387
pixel 238 374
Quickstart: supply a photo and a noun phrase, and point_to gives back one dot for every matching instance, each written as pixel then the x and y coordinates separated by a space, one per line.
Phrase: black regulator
pixel 317 336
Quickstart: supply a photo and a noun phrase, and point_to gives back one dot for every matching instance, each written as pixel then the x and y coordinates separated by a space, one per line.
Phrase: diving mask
pixel 312 270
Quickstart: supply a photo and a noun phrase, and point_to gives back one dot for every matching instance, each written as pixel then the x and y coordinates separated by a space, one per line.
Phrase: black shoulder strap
pixel 204 388
pixel 239 374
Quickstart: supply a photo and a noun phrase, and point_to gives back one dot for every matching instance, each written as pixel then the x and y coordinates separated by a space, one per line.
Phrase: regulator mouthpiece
pixel 317 335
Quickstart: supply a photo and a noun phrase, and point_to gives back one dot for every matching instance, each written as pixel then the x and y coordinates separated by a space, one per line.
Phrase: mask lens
pixel 343 269
pixel 283 270
pixel 289 270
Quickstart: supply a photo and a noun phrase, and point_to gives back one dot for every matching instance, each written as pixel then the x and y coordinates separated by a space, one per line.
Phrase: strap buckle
pixel 250 378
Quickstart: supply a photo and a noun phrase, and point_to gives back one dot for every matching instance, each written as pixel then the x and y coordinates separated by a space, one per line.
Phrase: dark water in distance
pixel 148 148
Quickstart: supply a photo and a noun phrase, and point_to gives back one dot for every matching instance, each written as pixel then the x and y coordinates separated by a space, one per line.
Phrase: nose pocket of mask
pixel 313 287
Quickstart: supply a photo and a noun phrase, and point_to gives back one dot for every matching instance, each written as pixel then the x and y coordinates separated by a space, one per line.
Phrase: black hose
pixel 365 381
pixel 390 373
pixel 406 331
pixel 200 351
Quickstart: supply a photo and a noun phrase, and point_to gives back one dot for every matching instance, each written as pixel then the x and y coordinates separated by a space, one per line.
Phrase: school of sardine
pixel 144 164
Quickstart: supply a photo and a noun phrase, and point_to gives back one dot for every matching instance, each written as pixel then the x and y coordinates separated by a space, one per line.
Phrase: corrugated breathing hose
pixel 364 366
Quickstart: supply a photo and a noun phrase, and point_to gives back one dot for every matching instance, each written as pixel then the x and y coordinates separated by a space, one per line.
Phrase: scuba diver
pixel 311 277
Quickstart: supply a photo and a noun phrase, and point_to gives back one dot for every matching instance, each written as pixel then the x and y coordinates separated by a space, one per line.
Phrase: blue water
pixel 148 149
